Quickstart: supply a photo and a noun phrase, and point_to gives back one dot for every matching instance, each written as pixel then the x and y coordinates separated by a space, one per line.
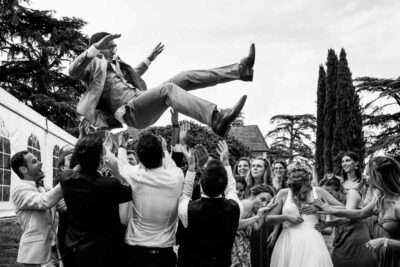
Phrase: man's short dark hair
pixel 18 160
pixel 214 178
pixel 97 37
pixel 149 151
pixel 88 151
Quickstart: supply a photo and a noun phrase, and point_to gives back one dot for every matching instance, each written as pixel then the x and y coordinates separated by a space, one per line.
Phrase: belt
pixel 150 250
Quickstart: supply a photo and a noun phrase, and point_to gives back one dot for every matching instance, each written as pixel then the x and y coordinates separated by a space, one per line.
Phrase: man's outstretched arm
pixel 143 66
pixel 79 65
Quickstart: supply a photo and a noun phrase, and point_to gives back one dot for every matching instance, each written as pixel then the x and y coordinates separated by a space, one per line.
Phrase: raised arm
pixel 187 191
pixel 230 190
pixel 25 198
pixel 79 65
pixel 143 66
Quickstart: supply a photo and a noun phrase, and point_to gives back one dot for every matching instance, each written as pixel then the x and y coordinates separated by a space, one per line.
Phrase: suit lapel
pixel 132 76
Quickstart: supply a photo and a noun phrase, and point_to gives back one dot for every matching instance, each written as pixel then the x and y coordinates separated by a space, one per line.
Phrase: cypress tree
pixel 347 133
pixel 329 109
pixel 319 150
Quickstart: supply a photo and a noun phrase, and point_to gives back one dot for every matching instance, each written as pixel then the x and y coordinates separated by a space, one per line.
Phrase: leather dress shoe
pixel 221 120
pixel 246 65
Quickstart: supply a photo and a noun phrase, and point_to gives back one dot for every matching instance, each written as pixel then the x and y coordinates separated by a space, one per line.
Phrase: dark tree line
pixel 381 114
pixel 36 47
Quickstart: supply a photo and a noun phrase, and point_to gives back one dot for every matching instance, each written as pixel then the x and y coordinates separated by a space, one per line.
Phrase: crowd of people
pixel 118 205
pixel 124 205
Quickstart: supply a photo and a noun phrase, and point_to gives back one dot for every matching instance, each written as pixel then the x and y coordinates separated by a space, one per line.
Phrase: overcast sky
pixel 292 39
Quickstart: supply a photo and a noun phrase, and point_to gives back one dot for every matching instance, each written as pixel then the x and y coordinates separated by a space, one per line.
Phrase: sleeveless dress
pixel 390 228
pixel 349 245
pixel 300 245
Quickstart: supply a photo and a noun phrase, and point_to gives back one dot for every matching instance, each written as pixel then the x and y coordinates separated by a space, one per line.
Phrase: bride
pixel 299 244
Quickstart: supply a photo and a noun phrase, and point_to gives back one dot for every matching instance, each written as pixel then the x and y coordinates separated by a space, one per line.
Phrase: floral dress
pixel 241 252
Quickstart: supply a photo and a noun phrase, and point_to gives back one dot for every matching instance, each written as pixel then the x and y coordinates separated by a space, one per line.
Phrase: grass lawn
pixel 10 233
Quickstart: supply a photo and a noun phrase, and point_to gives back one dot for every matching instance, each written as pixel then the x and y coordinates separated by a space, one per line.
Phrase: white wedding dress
pixel 300 245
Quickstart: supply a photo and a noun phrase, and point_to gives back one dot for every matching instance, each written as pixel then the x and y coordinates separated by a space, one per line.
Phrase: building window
pixel 5 168
pixel 34 147
pixel 56 155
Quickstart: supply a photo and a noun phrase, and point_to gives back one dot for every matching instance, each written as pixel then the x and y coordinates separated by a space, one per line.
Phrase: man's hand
pixel 185 128
pixel 156 51
pixel 85 128
pixel 104 44
pixel 223 152
pixel 108 141
pixel 201 155
pixel 123 139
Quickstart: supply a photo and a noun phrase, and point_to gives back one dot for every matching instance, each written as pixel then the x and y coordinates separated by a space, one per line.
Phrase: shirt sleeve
pixel 92 51
pixel 230 190
pixel 186 197
pixel 119 168
pixel 147 62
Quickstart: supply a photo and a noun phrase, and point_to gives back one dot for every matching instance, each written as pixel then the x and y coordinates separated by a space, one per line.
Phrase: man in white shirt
pixel 156 187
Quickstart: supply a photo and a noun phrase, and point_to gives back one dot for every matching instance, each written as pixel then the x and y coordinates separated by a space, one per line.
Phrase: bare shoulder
pixel 282 194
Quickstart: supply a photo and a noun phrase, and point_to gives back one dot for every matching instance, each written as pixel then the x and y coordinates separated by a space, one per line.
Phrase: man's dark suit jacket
pixel 95 234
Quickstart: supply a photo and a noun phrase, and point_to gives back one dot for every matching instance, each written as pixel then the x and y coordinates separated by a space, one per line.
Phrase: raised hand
pixel 85 128
pixel 108 141
pixel 156 51
pixel 123 139
pixel 223 152
pixel 105 43
pixel 202 156
pixel 185 128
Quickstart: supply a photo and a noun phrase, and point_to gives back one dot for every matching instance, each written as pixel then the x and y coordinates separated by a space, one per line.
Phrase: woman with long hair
pixel 384 174
pixel 350 235
pixel 260 173
pixel 299 243
pixel 279 176
pixel 242 167
pixel 252 219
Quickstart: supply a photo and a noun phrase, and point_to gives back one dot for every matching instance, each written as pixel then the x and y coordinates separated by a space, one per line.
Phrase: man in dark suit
pixel 95 234
pixel 117 94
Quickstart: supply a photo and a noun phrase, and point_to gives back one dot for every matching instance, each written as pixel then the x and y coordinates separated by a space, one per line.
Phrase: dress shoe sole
pixel 223 132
